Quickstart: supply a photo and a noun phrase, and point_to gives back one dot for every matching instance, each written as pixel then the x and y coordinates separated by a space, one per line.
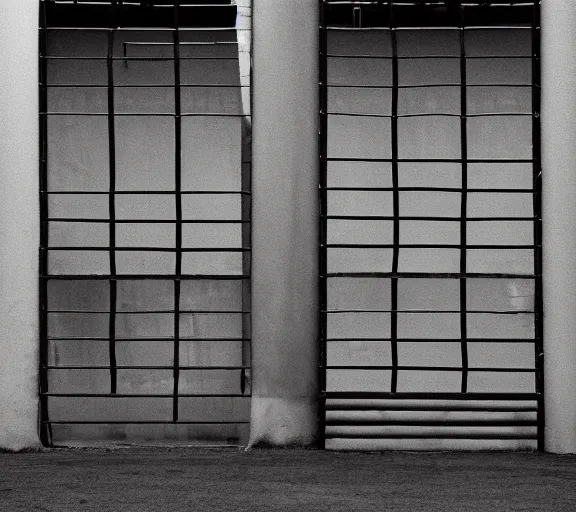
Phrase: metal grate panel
pixel 378 59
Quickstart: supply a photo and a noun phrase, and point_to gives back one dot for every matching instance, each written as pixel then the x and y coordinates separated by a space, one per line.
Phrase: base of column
pixel 283 421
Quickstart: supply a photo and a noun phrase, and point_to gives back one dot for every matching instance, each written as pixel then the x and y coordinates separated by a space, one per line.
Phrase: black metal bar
pixel 147 192
pixel 144 114
pixel 429 435
pixel 144 277
pixel 147 338
pixel 432 340
pixel 439 160
pixel 430 396
pixel 378 246
pixel 139 367
pixel 358 422
pixel 537 206
pixel 148 312
pixel 142 86
pixel 149 221
pixel 435 189
pixel 111 205
pixel 430 275
pixel 354 406
pixel 152 249
pixel 178 198
pixel 429 369
pixel 146 395
pixel 418 311
pixel 322 221
pixel 45 430
pixel 463 206
pixel 443 219
pixel 395 203
pixel 419 86
pixel 132 422
pixel 387 116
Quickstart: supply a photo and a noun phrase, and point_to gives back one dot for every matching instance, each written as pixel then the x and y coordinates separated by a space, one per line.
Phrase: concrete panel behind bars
pixel 212 155
pixel 434 137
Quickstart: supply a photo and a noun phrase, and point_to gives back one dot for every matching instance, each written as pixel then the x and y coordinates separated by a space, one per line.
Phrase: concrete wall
pixel 19 226
pixel 285 235
pixel 559 235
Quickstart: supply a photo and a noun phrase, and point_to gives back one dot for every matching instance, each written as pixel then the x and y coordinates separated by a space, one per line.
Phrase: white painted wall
pixel 19 225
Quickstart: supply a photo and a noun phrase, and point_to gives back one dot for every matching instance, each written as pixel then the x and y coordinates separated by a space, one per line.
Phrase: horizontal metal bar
pixel 142 114
pixel 358 407
pixel 422 57
pixel 430 311
pixel 427 246
pixel 434 189
pixel 428 368
pixel 145 59
pixel 150 312
pixel 406 435
pixel 144 338
pixel 429 396
pixel 432 340
pixel 142 86
pixel 145 277
pixel 167 422
pixel 181 43
pixel 453 28
pixel 383 422
pixel 141 367
pixel 146 29
pixel 431 219
pixel 145 395
pixel 423 86
pixel 437 160
pixel 146 221
pixel 146 192
pixel 146 249
pixel 429 114
pixel 429 275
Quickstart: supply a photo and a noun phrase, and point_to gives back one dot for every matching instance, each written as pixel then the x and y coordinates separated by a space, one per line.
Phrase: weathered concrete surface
pixel 284 480
pixel 558 213
pixel 19 224
pixel 284 222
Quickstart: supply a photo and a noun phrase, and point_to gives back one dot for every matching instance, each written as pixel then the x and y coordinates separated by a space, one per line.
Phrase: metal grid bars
pixel 145 221
pixel 430 222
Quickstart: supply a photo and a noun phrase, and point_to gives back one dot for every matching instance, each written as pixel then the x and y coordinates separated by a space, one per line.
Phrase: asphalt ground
pixel 229 479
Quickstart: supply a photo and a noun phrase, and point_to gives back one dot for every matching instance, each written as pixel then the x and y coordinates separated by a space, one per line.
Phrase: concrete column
pixel 284 214
pixel 559 218
pixel 19 225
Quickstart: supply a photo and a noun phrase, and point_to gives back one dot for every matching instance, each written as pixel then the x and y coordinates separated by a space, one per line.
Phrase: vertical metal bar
pixel 537 210
pixel 395 203
pixel 45 428
pixel 178 199
pixel 111 204
pixel 323 222
pixel 246 209
pixel 463 203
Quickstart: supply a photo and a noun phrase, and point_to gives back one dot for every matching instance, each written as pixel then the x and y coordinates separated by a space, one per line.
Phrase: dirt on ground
pixel 184 479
